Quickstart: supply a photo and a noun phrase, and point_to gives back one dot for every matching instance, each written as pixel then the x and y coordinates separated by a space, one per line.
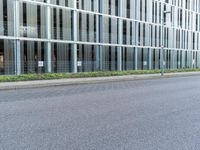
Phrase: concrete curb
pixel 65 82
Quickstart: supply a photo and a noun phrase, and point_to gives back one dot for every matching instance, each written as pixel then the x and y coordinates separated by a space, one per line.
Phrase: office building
pixel 38 36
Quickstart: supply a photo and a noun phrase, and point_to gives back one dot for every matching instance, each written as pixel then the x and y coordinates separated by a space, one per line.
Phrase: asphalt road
pixel 160 114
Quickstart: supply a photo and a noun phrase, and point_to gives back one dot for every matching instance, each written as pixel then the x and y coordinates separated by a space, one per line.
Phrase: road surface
pixel 158 114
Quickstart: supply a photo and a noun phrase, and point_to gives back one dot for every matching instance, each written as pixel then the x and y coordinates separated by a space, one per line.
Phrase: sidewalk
pixel 76 81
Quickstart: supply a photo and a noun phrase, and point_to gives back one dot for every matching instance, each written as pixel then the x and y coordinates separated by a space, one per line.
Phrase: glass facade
pixel 38 36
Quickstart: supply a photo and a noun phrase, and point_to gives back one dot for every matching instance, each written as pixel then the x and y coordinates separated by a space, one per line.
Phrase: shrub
pixel 50 76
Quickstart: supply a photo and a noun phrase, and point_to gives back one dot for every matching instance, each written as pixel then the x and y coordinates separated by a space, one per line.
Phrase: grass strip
pixel 51 76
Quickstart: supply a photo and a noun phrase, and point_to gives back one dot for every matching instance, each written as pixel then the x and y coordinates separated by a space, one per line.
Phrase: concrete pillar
pixel 48 44
pixel 75 38
pixel 17 41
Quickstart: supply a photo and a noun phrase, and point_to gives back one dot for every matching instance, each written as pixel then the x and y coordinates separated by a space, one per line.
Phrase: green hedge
pixel 49 76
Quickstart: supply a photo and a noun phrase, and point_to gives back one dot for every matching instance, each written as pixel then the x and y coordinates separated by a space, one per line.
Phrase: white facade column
pixel 17 49
pixel 75 38
pixel 179 59
pixel 149 58
pixel 136 43
pixel 192 59
pixel 97 47
pixel 181 52
pixel 148 33
pixel 162 40
pixel 190 49
pixel 198 59
pixel 136 58
pixel 101 33
pixel 97 38
pixel 48 46
pixel 120 36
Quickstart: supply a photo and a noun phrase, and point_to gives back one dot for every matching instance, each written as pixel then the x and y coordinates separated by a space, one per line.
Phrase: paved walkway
pixel 64 82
